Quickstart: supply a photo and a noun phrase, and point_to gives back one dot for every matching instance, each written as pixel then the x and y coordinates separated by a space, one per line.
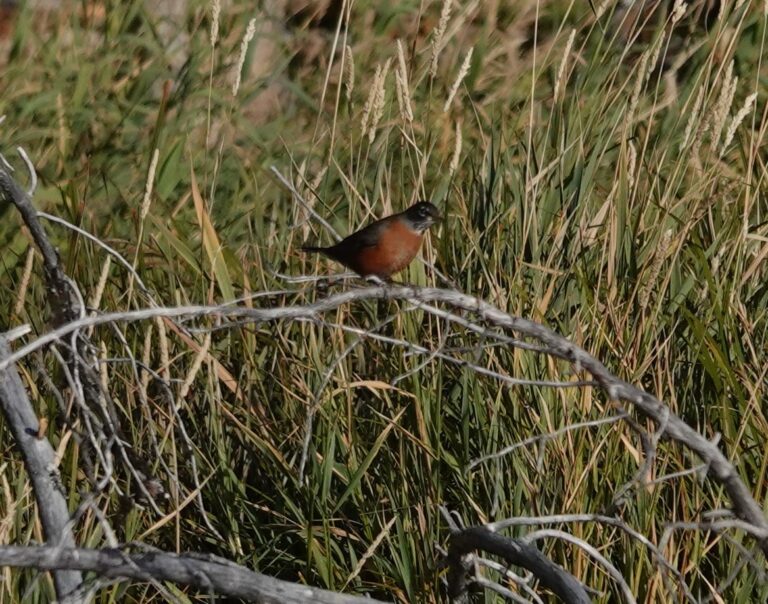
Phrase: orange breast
pixel 396 248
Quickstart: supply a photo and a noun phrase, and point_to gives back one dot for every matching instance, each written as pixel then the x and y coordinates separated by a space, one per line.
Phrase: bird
pixel 384 247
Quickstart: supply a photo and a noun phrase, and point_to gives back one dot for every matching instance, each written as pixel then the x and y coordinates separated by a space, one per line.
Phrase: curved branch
pixel 39 459
pixel 63 300
pixel 514 551
pixel 207 573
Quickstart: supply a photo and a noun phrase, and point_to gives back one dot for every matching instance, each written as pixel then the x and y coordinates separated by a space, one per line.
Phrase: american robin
pixel 386 246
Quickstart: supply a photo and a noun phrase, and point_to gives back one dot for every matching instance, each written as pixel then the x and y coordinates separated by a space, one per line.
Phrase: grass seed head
pixel 374 106
pixel 456 151
pixel 437 38
pixel 349 69
pixel 693 119
pixel 736 121
pixel 401 80
pixel 678 10
pixel 460 78
pixel 560 81
pixel 723 105
pixel 215 13
pixel 249 33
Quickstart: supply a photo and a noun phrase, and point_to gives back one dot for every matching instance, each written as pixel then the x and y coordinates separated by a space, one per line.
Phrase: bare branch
pixel 62 299
pixel 514 551
pixel 675 428
pixel 370 333
pixel 31 169
pixel 63 296
pixel 39 459
pixel 601 519
pixel 207 573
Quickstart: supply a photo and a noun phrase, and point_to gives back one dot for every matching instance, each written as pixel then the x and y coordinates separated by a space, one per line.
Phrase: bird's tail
pixel 312 248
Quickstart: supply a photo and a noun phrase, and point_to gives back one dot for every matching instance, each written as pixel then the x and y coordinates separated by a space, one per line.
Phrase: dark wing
pixel 359 240
pixel 349 251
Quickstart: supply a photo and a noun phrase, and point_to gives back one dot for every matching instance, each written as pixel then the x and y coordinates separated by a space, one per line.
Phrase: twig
pixel 546 438
pixel 289 185
pixel 110 250
pixel 612 570
pixel 521 582
pixel 436 354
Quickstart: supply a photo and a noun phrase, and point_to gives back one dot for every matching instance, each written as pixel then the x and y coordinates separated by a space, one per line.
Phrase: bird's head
pixel 422 215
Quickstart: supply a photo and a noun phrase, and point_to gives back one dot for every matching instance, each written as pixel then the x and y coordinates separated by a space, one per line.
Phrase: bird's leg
pixel 377 280
pixel 322 286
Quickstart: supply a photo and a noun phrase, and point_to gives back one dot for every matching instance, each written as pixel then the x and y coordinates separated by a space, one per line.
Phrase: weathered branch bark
pixel 39 460
pixel 516 552
pixel 62 299
pixel 207 573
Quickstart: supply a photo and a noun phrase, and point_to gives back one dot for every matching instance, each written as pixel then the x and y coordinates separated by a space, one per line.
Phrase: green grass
pixel 590 213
